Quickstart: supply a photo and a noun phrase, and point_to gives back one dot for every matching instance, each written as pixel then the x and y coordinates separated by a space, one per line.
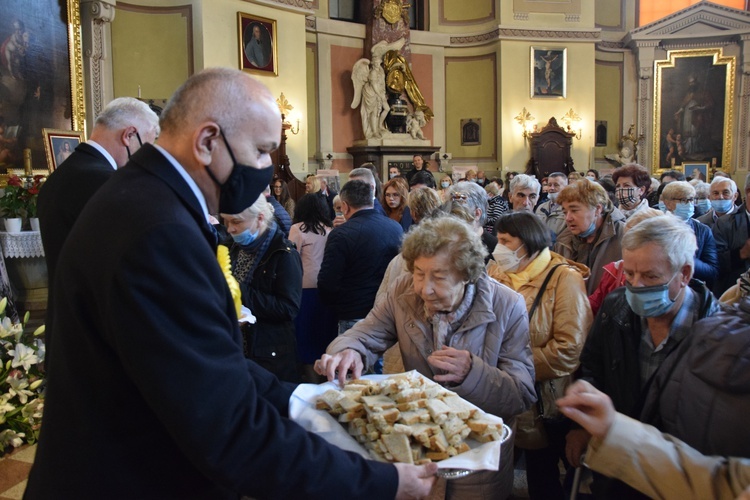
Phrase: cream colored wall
pixel 312 101
pixel 471 87
pixel 515 95
pixel 220 47
pixel 149 50
pixel 609 90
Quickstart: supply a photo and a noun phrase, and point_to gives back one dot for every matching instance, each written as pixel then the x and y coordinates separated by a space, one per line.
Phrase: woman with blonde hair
pixel 559 319
pixel 445 184
pixel 395 193
pixel 593 228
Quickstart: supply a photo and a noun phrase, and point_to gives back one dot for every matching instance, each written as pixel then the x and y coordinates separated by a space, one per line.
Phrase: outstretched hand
pixel 337 366
pixel 591 408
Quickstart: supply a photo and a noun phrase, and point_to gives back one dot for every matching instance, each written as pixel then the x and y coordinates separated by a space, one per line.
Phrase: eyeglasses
pixel 391 196
pixel 277 187
pixel 684 200
pixel 460 197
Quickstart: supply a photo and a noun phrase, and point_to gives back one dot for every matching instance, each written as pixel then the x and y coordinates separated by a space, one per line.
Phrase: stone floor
pixel 14 469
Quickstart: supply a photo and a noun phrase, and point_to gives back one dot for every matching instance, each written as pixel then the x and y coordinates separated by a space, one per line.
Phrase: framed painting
pixel 257 40
pixel 471 131
pixel 549 67
pixel 41 76
pixel 700 171
pixel 59 144
pixel 693 113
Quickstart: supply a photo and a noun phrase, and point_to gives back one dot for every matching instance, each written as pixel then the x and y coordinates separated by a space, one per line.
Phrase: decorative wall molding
pixel 502 33
pixel 718 14
pixel 572 18
pixel 520 16
pixel 607 45
pixel 311 23
pixel 95 18
pixel 304 6
pixel 743 155
pixel 102 11
pixel 466 22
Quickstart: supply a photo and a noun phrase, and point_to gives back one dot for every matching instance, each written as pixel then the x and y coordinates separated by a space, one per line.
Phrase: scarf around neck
pixel 532 270
pixel 445 324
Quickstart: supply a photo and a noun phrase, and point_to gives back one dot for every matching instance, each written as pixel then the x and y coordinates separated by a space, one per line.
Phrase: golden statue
pixel 399 78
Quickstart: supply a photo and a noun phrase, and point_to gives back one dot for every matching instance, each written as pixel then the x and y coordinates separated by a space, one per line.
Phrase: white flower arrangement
pixel 21 382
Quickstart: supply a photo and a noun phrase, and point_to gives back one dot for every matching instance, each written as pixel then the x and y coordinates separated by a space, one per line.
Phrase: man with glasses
pixel 119 131
pixel 722 194
pixel 733 244
pixel 679 198
pixel 149 393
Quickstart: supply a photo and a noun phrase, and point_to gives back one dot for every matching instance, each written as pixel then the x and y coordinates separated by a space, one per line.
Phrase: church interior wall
pixel 609 75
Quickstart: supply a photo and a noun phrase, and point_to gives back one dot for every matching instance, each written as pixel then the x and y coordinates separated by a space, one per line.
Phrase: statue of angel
pixel 368 77
pixel 414 123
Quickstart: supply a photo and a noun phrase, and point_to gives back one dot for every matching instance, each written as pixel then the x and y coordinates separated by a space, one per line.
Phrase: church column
pixel 646 55
pixel 743 124
pixel 96 16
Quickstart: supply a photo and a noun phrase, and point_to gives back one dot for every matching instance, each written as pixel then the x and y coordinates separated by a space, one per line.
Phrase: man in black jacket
pixel 119 131
pixel 641 324
pixel 149 394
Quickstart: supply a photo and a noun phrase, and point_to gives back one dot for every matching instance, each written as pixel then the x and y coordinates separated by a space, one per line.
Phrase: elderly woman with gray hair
pixel 454 325
pixel 269 271
pixel 473 197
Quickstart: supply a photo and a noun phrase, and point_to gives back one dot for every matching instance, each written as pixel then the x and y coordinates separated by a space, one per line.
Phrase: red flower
pixel 14 180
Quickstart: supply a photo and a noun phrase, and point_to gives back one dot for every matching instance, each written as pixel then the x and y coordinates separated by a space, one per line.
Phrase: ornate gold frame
pixel 244 20
pixel 718 59
pixel 75 56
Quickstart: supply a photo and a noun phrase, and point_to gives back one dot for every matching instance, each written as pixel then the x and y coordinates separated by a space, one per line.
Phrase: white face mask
pixel 506 259
pixel 553 196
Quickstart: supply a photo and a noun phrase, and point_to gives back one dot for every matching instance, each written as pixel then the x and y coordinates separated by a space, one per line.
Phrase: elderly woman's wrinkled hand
pixel 338 365
pixel 454 364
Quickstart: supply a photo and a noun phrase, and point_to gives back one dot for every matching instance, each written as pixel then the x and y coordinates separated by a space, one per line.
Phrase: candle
pixel 28 172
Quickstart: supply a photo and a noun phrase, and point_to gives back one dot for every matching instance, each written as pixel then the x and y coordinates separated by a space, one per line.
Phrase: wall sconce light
pixel 285 107
pixel 570 117
pixel 523 118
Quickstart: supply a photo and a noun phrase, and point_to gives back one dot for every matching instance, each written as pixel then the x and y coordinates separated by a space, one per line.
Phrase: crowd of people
pixel 589 321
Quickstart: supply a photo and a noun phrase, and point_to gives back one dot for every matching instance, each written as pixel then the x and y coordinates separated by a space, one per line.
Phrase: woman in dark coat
pixel 269 271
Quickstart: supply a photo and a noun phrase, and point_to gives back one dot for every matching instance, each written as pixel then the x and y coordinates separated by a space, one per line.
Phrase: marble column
pixel 96 16
pixel 646 55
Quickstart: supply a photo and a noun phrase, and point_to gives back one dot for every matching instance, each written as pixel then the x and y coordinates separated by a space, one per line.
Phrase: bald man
pixel 149 393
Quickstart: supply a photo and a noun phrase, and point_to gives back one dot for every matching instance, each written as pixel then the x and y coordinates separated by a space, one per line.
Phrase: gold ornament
pixel 392 11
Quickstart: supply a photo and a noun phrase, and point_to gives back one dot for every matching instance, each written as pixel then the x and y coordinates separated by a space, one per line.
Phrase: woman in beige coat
pixel 557 329
pixel 454 325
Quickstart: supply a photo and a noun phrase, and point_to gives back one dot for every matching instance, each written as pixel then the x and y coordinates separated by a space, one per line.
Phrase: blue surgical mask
pixel 589 231
pixel 650 301
pixel 663 206
pixel 702 206
pixel 722 206
pixel 445 185
pixel 245 237
pixel 684 211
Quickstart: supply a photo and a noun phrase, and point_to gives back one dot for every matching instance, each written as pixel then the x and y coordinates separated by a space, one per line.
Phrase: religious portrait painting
pixel 693 108
pixel 698 171
pixel 37 52
pixel 471 131
pixel 257 39
pixel 549 72
pixel 59 144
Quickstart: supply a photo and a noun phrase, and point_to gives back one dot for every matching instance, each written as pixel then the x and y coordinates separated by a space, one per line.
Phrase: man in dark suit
pixel 118 132
pixel 149 394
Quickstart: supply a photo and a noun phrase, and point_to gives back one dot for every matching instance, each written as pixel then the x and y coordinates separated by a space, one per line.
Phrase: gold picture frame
pixel 59 144
pixel 257 38
pixel 693 109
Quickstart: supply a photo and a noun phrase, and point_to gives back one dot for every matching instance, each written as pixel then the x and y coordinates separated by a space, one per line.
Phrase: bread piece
pixel 436 456
pixel 414 417
pixel 350 405
pixel 480 423
pixel 453 426
pixel 398 446
pixel 459 407
pixel 329 400
pixel 438 410
pixel 438 441
pixel 378 402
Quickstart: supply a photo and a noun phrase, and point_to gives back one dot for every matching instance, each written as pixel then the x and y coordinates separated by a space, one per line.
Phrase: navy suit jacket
pixel 149 393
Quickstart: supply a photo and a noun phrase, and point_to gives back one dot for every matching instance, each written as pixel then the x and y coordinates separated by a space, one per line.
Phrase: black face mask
pixel 138 136
pixel 244 185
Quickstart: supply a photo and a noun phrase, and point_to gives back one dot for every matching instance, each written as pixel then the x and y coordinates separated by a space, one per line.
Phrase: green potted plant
pixel 13 204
